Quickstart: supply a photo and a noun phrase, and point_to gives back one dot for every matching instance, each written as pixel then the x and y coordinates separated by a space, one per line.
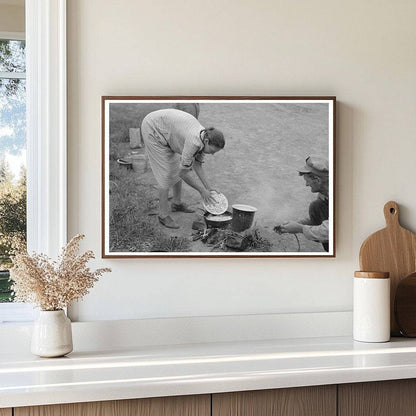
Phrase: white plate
pixel 220 205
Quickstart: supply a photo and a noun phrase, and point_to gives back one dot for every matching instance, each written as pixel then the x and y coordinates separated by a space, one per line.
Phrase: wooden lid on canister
pixel 372 275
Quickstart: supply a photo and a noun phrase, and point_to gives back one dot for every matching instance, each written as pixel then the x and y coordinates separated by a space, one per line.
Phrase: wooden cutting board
pixel 393 250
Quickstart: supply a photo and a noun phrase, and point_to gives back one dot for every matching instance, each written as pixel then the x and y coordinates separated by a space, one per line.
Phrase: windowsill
pixel 16 313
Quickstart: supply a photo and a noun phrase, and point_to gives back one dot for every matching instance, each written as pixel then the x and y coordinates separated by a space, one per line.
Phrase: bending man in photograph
pixel 316 176
pixel 176 144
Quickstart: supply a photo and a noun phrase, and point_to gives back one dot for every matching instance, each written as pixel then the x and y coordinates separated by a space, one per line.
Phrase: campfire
pixel 225 231
pixel 225 239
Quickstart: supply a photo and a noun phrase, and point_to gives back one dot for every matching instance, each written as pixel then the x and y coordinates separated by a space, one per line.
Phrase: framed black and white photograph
pixel 218 176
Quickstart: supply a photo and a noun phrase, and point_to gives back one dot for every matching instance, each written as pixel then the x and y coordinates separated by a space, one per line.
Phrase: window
pixel 12 153
pixel 46 135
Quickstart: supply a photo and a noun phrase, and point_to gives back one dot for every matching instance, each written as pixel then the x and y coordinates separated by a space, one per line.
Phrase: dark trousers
pixel 318 212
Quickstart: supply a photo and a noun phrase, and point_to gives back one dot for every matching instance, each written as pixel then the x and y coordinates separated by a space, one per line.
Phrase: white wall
pixel 363 52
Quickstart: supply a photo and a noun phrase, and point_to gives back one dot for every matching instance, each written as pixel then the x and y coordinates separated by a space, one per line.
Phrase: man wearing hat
pixel 316 176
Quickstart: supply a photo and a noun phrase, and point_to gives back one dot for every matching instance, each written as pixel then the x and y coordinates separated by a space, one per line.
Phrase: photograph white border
pixel 107 100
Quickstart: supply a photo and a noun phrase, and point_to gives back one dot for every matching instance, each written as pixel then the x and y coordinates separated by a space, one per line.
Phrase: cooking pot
pixel 243 216
pixel 217 223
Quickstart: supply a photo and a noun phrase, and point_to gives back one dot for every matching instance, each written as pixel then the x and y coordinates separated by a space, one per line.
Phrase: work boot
pixel 168 222
pixel 182 208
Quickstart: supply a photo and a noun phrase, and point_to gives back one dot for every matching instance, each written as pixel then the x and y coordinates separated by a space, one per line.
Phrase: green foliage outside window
pixel 12 223
pixel 12 145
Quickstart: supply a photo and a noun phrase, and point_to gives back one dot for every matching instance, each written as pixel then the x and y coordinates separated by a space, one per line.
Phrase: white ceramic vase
pixel 52 334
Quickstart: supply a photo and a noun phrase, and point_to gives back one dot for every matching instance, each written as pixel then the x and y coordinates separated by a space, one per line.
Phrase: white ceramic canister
pixel 371 314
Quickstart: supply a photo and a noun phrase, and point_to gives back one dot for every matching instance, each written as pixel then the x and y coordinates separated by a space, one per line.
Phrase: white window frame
pixel 46 127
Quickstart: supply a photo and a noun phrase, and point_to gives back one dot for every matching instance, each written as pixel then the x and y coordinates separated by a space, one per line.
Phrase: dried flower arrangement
pixel 53 285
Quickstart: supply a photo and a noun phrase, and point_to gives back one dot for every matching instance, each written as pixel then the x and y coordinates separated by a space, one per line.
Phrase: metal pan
pixel 218 224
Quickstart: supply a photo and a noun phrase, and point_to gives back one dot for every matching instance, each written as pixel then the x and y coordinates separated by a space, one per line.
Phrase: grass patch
pixel 132 229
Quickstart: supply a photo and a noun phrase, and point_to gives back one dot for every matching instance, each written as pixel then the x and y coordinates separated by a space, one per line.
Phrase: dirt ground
pixel 265 144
